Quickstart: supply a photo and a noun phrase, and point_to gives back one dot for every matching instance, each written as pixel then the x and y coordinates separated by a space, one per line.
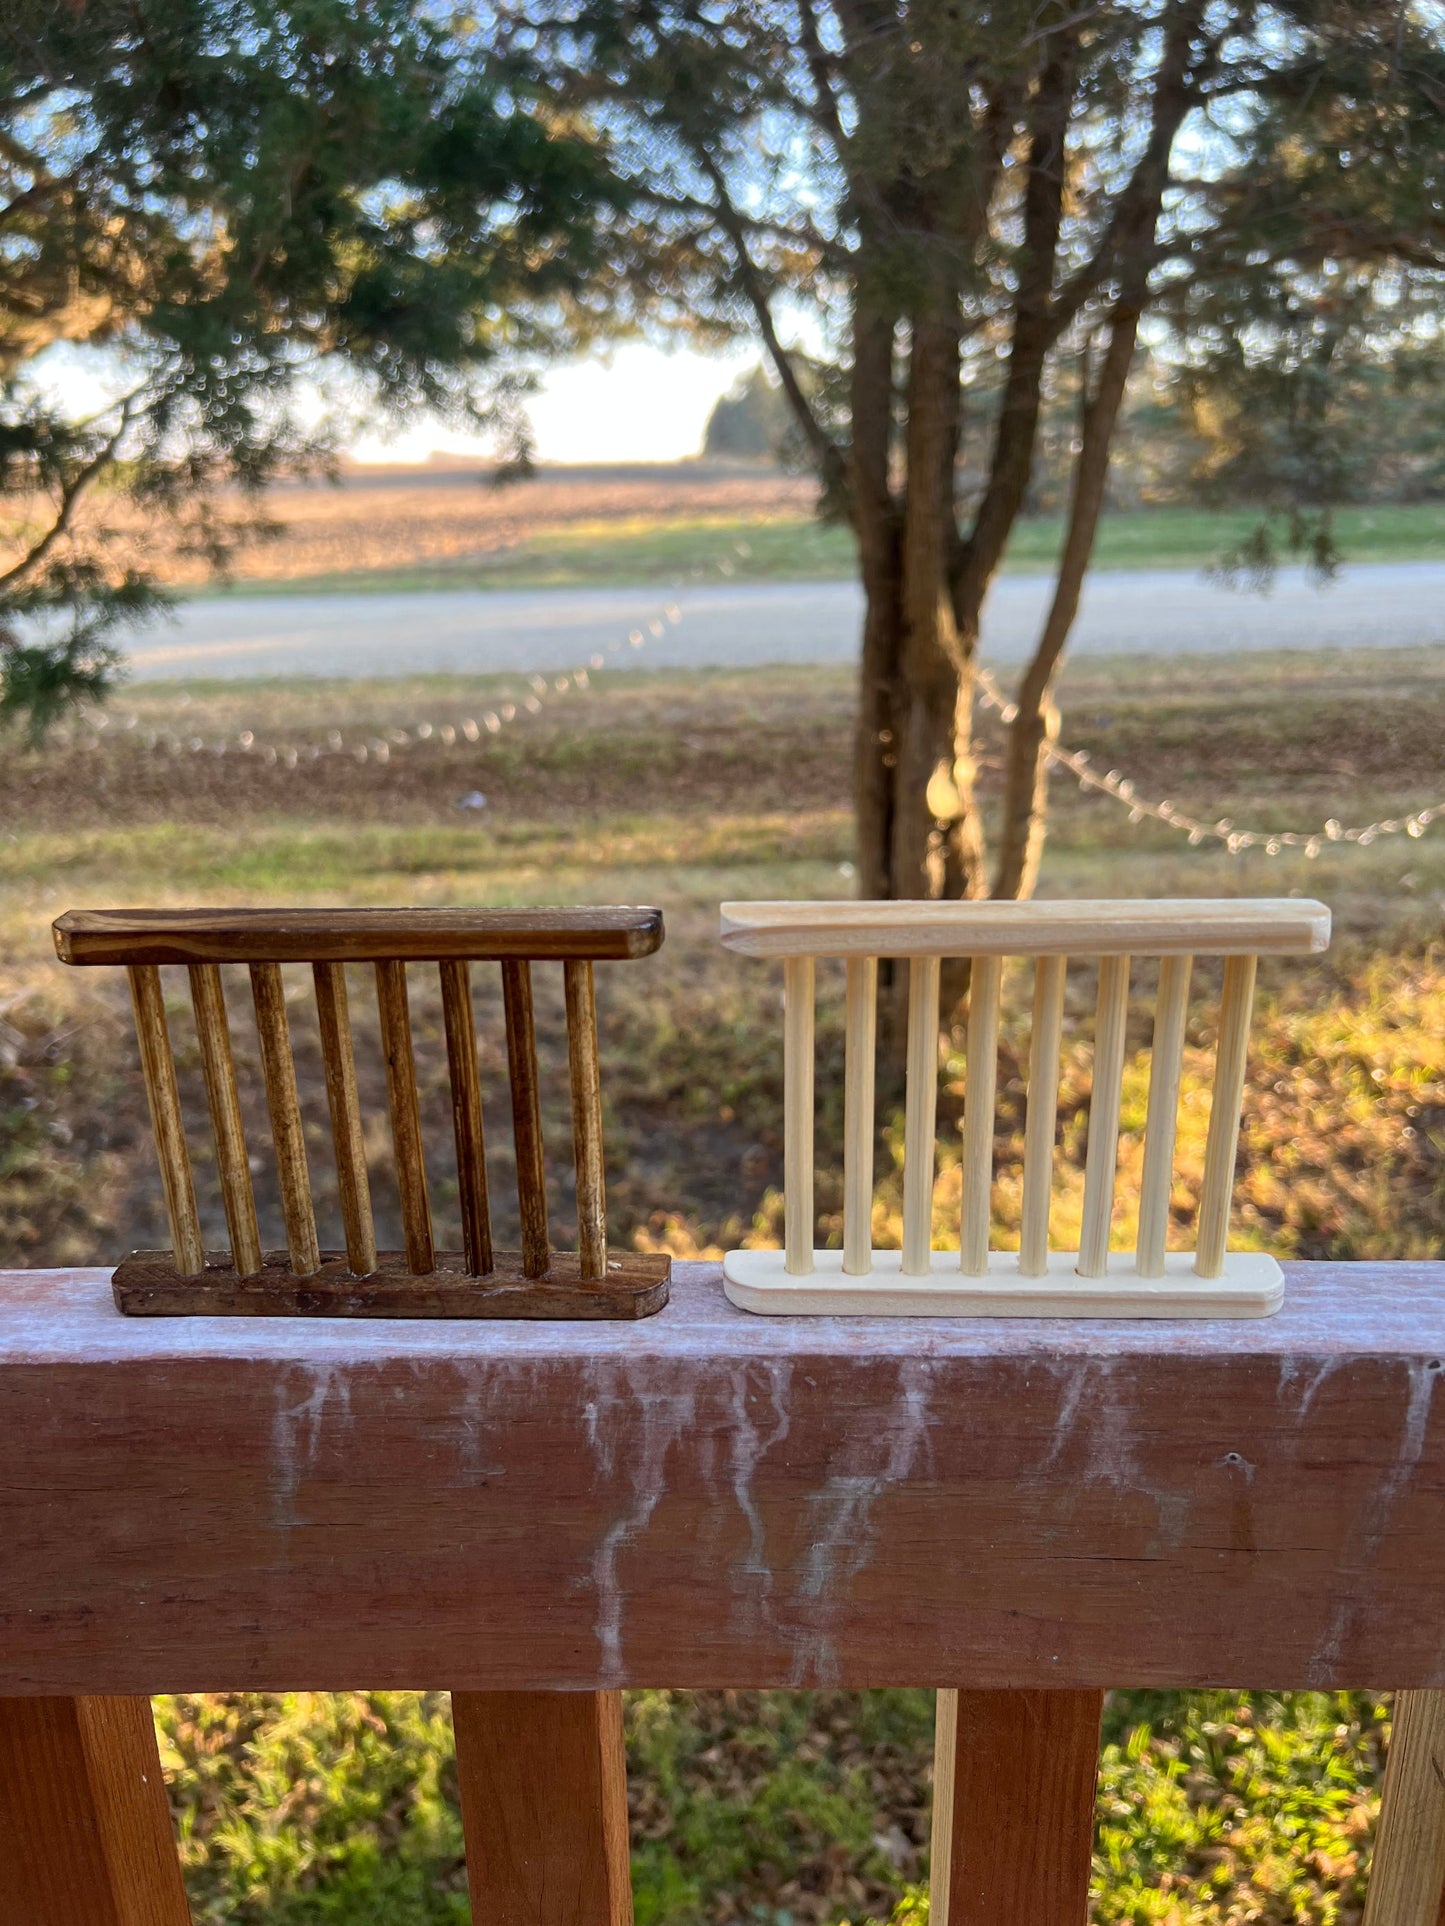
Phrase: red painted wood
pixel 707 1498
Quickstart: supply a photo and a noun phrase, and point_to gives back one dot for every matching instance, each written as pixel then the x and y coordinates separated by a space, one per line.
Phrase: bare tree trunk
pixel 934 781
pixel 875 525
pixel 1026 781
pixel 1036 726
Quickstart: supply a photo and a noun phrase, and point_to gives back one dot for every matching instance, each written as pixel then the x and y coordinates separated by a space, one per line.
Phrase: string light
pixel 541 689
pixel 378 747
pixel 1273 842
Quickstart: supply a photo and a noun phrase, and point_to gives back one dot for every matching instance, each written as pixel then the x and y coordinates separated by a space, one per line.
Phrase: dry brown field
pixel 394 517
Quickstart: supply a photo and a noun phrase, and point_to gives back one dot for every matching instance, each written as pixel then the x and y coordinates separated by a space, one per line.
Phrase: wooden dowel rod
pixel 461 1028
pixel 158 1067
pixel 279 1069
pixel 920 1115
pixel 586 1078
pixel 405 1110
pixel 860 1048
pixel 1041 1119
pixel 1102 1158
pixel 980 1097
pixel 1407 1874
pixel 1222 1144
pixel 1166 1058
pixel 526 1115
pixel 353 1184
pixel 798 1223
pixel 208 1000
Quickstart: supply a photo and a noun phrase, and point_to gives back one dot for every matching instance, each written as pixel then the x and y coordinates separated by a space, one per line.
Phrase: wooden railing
pixel 542 1513
pixel 420 1281
pixel 1032 1280
pixel 545 1512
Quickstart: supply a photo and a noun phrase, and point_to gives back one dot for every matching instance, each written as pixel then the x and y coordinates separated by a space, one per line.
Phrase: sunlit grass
pixel 794 547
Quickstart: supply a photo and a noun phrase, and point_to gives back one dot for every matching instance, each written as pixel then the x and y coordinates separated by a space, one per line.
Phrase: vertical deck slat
pixel 860 1052
pixel 1407 1874
pixel 158 1067
pixel 1016 1838
pixel 798 1221
pixel 543 1783
pixel 1042 1115
pixel 353 1184
pixel 586 1079
pixel 526 1115
pixel 980 1097
pixel 1222 1144
pixel 920 1114
pixel 1166 1060
pixel 461 1029
pixel 391 1002
pixel 85 1830
pixel 208 1000
pixel 279 1069
pixel 1102 1158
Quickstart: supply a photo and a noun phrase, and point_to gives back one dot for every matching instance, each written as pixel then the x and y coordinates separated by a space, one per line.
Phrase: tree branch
pixel 978 557
pixel 826 452
pixel 817 58
pixel 1026 776
pixel 73 489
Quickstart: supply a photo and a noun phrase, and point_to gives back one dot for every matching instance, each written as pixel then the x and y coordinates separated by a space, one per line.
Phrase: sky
pixel 639 403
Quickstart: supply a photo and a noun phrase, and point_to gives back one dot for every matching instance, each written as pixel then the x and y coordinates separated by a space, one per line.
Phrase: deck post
pixel 543 1780
pixel 1013 1820
pixel 85 1830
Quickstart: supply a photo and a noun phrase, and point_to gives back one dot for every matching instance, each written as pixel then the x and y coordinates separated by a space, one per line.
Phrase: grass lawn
pixel 303 1810
pixel 788 547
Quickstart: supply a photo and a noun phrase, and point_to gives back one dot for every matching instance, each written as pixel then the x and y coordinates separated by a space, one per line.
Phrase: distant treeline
pixel 1370 432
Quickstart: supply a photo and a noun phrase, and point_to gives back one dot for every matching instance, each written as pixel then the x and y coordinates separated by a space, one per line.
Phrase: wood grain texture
pixel 213 1032
pixel 158 1068
pixel 1041 1118
pixel 1221 1146
pixel 353 1183
pixel 526 1115
pixel 1407 1873
pixel 585 1076
pixel 1022 1810
pixel 461 1028
pixel 353 935
pixel 278 1067
pixel 730 1501
pixel 85 1830
pixel 1166 1059
pixel 920 1114
pixel 798 1071
pixel 405 1108
pixel 632 1286
pixel 1101 1159
pixel 543 1784
pixel 980 1097
pixel 860 1053
pixel 1257 926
